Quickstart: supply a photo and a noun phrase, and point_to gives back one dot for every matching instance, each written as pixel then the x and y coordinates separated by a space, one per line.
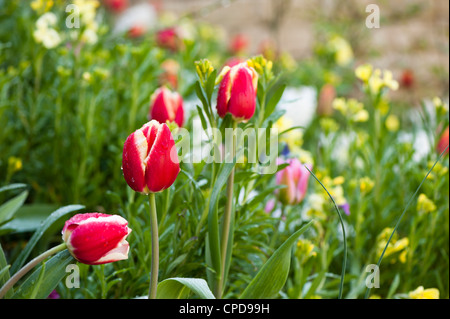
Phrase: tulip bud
pixel 326 97
pixel 166 106
pixel 237 93
pixel 150 161
pixel 295 177
pixel 95 238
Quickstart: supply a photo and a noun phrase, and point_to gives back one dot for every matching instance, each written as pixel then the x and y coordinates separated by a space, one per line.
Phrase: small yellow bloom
pixel 340 105
pixel 389 81
pixel 14 164
pixel 425 205
pixel 366 184
pixel 392 123
pixel 339 180
pixel 364 72
pixel 375 297
pixel 421 293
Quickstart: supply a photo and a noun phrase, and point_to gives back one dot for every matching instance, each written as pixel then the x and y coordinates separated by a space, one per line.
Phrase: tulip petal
pixel 242 103
pixel 135 151
pixel 162 166
pixel 223 95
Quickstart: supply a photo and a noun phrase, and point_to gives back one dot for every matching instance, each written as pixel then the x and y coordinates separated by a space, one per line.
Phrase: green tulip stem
pixel 25 269
pixel 155 247
pixel 227 221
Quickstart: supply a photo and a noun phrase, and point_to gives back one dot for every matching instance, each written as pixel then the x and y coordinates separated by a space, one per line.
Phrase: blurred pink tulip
pixel 295 177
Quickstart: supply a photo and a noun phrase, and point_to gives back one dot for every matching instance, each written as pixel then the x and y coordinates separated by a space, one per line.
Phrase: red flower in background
pixel 166 105
pixel 116 5
pixel 407 79
pixel 239 44
pixel 443 142
pixel 168 39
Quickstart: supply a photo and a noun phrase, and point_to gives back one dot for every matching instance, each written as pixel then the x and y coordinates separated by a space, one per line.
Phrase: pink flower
pixel 237 93
pixel 149 160
pixel 239 43
pixel 295 177
pixel 166 105
pixel 168 39
pixel 95 238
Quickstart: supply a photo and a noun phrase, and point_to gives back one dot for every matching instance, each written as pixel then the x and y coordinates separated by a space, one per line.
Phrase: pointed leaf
pixel 272 276
pixel 180 288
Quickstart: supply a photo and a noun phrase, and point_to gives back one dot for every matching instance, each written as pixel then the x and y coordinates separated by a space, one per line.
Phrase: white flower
pixel 46 20
pixel 48 37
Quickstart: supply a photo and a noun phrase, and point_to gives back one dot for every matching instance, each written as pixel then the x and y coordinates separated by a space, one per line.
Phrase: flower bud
pixel 443 142
pixel 95 238
pixel 166 106
pixel 237 93
pixel 149 160
pixel 295 177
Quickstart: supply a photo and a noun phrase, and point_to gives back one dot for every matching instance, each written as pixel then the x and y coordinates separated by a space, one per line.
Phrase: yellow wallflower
pixel 364 72
pixel 305 250
pixel 293 138
pixel 342 49
pixel 425 205
pixel 395 245
pixel 421 293
pixel 14 164
pixel 366 184
pixel 41 5
pixel 392 123
pixel 351 109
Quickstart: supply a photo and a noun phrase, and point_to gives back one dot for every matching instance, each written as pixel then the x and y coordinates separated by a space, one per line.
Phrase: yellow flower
pixel 364 72
pixel 421 293
pixel 425 205
pixel 375 297
pixel 366 184
pixel 41 5
pixel 305 250
pixel 293 138
pixel 342 49
pixel 388 80
pixel 340 105
pixel 14 164
pixel 392 123
pixel 395 245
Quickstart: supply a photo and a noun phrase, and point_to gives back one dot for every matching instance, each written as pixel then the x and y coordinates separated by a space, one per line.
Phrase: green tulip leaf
pixel 180 288
pixel 272 276
pixel 8 209
pixel 45 278
pixel 49 221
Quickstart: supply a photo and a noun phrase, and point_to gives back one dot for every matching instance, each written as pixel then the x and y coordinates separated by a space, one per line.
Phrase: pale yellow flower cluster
pixel 395 245
pixel 342 49
pixel 45 33
pixel 305 250
pixel 88 10
pixel 376 80
pixel 425 205
pixel 351 109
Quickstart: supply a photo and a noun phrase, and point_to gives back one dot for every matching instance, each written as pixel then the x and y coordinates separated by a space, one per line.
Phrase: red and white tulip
pixel 150 160
pixel 95 238
pixel 237 93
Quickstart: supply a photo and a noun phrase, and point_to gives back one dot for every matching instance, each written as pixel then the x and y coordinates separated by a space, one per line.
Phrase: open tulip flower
pixel 95 238
pixel 149 161
pixel 237 93
pixel 166 105
pixel 295 177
